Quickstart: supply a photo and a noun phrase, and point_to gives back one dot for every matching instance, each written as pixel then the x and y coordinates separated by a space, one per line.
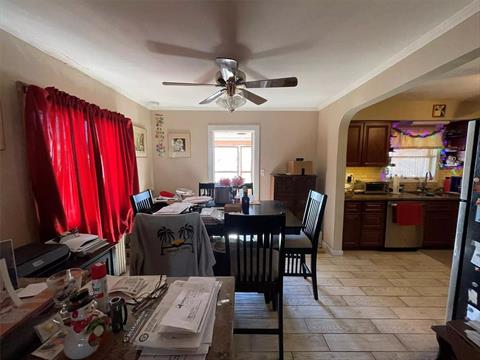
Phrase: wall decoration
pixel 439 110
pixel 2 130
pixel 179 143
pixel 140 138
pixel 160 147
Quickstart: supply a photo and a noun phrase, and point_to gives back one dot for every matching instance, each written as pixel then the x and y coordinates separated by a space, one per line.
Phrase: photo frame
pixel 179 145
pixel 439 110
pixel 140 141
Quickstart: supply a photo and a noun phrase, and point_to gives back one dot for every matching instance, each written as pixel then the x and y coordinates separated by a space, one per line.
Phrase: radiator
pixel 119 257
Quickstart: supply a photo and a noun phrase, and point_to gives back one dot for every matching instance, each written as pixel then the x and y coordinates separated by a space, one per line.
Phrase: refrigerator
pixel 464 290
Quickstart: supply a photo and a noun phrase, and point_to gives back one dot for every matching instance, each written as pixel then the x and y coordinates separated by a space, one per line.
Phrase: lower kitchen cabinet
pixel 364 225
pixel 440 222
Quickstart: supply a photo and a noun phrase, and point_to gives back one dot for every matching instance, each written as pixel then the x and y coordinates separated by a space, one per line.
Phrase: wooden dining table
pixel 293 225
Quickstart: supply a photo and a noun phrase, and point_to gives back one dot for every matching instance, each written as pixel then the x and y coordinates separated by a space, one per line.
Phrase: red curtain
pixel 82 165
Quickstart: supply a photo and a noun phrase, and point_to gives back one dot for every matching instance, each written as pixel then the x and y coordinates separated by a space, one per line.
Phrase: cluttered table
pixel 112 346
pixel 293 225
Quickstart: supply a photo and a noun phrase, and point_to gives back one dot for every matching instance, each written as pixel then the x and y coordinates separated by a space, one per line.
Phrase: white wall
pixel 22 62
pixel 284 136
pixel 457 46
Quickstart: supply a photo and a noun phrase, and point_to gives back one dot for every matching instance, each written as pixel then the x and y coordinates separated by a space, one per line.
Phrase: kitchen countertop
pixel 402 196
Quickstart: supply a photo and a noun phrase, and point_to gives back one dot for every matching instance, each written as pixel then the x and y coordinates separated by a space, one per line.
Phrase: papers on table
pixel 198 199
pixel 474 334
pixel 31 290
pixel 212 215
pixel 174 209
pixel 133 286
pixel 183 322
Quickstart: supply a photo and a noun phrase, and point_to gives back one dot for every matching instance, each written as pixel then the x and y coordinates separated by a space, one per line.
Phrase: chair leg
pixel 313 266
pixel 303 267
pixel 274 300
pixel 280 322
pixel 266 295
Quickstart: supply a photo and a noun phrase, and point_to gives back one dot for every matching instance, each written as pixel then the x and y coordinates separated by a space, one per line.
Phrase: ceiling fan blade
pixel 227 67
pixel 170 83
pixel 212 97
pixel 252 97
pixel 282 82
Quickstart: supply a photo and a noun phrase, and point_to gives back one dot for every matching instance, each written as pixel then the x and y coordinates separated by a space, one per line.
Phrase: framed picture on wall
pixel 179 144
pixel 439 110
pixel 140 139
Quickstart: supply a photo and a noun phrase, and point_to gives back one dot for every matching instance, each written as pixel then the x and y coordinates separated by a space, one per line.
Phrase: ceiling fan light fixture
pixel 231 103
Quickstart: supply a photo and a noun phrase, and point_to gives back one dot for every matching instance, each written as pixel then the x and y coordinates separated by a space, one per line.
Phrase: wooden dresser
pixel 293 190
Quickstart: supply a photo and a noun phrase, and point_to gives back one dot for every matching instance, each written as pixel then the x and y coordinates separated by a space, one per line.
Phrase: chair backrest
pixel 174 245
pixel 254 246
pixel 142 201
pixel 313 216
pixel 206 189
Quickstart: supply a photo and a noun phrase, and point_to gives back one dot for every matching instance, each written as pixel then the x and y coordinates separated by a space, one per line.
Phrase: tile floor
pixel 372 305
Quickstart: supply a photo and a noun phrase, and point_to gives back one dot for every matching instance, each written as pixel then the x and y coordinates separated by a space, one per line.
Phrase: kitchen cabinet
pixel 368 143
pixel 364 225
pixel 440 222
pixel 293 191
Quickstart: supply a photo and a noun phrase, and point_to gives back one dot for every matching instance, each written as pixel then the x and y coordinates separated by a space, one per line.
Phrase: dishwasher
pixel 401 236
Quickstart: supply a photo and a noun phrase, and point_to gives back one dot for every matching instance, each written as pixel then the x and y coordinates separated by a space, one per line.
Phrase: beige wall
pixel 455 47
pixel 21 62
pixel 283 136
pixel 402 109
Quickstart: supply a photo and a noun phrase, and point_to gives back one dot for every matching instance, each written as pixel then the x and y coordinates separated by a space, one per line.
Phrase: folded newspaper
pixel 182 324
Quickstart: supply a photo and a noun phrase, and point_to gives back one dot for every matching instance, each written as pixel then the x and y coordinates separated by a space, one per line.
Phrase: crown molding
pixel 446 25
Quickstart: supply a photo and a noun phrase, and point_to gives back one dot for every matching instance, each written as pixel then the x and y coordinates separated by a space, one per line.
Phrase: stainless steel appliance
pixel 376 187
pixel 464 291
pixel 401 236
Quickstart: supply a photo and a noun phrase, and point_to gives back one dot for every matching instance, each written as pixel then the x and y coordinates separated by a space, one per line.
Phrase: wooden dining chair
pixel 143 202
pixel 206 189
pixel 298 246
pixel 255 263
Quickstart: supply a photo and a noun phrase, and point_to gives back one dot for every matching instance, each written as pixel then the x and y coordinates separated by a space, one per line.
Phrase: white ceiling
pixel 330 45
pixel 461 84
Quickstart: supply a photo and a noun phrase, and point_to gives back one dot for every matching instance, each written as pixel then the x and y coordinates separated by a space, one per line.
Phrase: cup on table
pixel 64 283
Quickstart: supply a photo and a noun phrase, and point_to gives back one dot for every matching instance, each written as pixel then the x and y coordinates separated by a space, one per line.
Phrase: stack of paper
pixel 134 287
pixel 474 335
pixel 183 322
pixel 212 215
pixel 174 209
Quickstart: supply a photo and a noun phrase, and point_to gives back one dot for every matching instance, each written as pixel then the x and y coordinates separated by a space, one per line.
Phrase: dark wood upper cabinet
pixel 376 142
pixel 354 146
pixel 368 143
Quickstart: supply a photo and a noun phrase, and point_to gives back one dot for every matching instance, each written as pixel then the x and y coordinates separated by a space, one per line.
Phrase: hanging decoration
pixel 160 147
pixel 424 133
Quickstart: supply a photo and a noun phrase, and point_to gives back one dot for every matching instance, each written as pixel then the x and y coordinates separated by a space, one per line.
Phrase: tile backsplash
pixel 367 173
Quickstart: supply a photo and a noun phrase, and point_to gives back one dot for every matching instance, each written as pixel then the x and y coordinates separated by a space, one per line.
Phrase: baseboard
pixel 330 250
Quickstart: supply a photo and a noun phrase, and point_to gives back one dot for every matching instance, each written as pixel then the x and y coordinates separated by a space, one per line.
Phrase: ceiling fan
pixel 233 92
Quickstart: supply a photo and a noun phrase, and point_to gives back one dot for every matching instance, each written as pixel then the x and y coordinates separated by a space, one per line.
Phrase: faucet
pixel 428 176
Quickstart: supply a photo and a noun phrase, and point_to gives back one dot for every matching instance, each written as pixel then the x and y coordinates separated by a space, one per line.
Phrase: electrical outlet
pixel 262 172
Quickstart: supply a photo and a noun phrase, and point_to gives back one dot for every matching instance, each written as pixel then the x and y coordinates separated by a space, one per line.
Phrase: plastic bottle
pixel 98 272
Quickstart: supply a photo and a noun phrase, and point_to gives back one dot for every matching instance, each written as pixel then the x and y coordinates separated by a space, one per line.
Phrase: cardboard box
pixel 295 167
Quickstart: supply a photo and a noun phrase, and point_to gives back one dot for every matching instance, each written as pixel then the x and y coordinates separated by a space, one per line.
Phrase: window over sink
pixel 414 163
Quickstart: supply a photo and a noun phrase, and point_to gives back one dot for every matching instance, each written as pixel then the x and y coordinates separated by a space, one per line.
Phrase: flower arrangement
pixel 225 182
pixel 237 181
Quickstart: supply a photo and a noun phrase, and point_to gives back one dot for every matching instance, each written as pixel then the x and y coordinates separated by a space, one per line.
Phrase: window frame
pixel 255 171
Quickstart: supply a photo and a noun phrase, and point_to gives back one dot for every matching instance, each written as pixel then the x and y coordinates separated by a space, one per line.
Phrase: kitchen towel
pixel 408 214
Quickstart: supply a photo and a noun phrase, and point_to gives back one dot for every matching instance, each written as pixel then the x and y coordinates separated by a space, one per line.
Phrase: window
pixel 233 151
pixel 414 163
